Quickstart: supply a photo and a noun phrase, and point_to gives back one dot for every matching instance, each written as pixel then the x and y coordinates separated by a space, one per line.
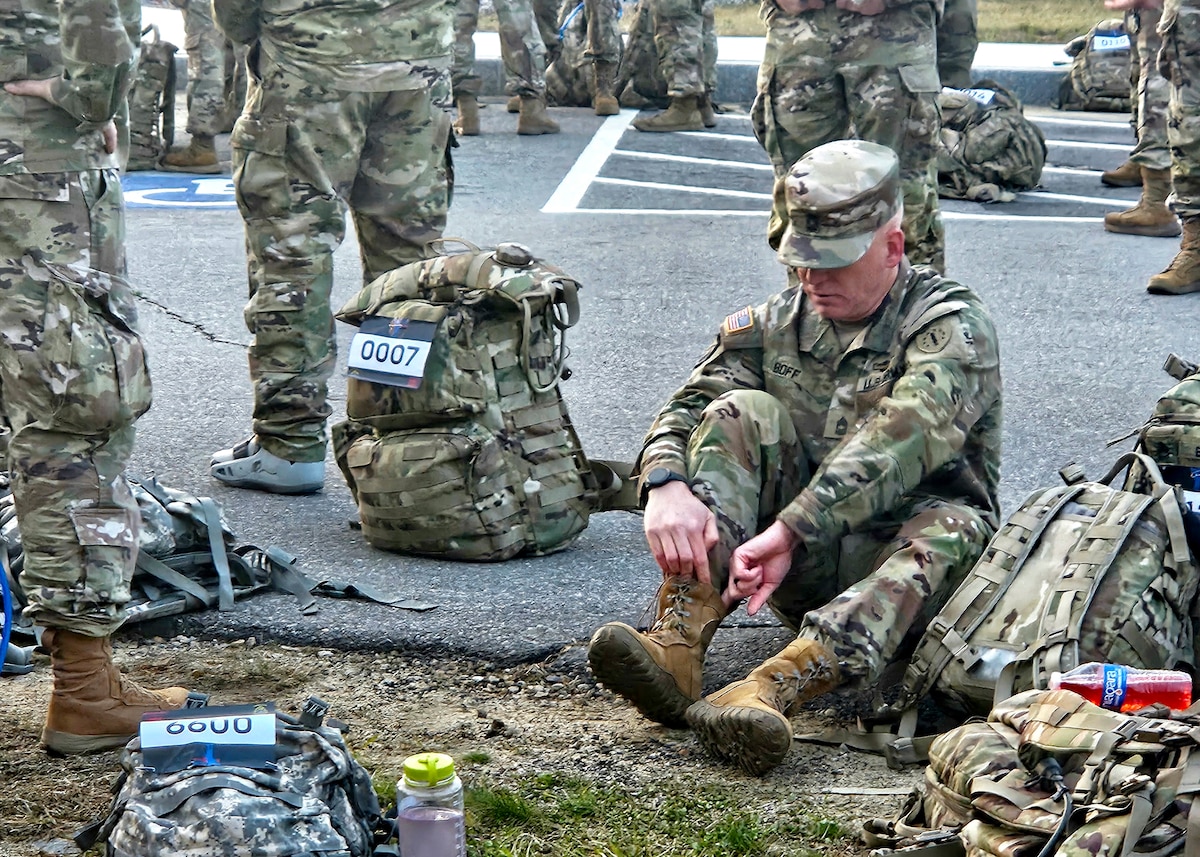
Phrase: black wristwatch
pixel 658 477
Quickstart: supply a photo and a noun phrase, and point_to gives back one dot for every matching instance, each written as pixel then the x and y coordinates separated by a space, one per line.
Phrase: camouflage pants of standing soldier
pixel 521 49
pixel 1180 58
pixel 860 596
pixel 603 31
pixel 304 155
pixel 1149 90
pixel 73 380
pixel 210 102
pixel 829 75
pixel 679 38
pixel 957 41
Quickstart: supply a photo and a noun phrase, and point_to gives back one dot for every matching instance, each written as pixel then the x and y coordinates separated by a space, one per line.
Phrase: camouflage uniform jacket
pixel 90 52
pixel 911 409
pixel 354 45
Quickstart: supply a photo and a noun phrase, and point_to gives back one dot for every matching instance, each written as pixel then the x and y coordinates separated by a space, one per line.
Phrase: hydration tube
pixel 6 631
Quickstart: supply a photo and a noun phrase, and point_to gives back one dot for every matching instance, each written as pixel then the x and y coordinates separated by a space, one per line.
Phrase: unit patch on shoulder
pixel 936 337
pixel 741 320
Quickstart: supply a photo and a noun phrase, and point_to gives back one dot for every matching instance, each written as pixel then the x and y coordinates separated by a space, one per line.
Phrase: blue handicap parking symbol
pixel 173 190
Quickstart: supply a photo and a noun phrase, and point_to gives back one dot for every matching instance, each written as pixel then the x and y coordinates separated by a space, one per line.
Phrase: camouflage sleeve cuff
pixel 804 517
pixel 90 110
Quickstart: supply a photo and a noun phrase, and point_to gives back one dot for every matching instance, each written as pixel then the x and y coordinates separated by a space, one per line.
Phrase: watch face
pixel 659 476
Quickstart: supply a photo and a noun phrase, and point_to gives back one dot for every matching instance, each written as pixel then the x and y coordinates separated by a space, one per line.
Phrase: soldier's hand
pixel 795 7
pixel 1126 5
pixel 34 88
pixel 863 7
pixel 760 565
pixel 680 531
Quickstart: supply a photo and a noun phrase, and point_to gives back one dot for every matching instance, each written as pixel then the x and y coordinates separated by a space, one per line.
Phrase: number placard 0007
pixel 391 356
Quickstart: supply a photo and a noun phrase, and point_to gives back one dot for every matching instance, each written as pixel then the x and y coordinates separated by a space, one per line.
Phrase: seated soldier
pixel 835 455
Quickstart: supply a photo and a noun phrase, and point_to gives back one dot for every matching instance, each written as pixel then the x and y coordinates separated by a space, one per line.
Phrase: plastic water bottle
pixel 429 808
pixel 1126 689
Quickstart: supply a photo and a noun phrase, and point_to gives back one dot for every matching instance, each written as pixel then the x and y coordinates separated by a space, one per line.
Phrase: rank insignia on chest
pixel 739 321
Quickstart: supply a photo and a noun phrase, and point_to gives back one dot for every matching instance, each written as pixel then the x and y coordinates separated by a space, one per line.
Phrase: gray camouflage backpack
pixel 458 443
pixel 152 102
pixel 311 799
pixel 987 148
pixel 1099 75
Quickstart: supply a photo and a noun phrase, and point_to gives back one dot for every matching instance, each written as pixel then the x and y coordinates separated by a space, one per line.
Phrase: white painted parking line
pixel 671 212
pixel 1023 218
pixel 1070 171
pixel 683 188
pixel 576 182
pixel 1082 123
pixel 1033 195
pixel 717 135
pixel 688 159
pixel 1083 144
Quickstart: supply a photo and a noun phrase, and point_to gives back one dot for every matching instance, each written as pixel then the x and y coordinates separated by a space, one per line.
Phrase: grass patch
pixel 1035 21
pixel 571 817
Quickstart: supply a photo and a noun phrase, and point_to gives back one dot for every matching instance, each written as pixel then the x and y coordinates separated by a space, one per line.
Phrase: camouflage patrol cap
pixel 837 196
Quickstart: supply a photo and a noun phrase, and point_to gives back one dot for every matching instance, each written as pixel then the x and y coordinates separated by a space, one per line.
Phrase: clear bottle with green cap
pixel 429 808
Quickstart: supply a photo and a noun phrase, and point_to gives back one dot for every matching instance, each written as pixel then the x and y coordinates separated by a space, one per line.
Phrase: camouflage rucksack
pixel 1099 75
pixel 1050 773
pixel 312 798
pixel 987 148
pixel 569 80
pixel 458 442
pixel 1082 572
pixel 152 102
pixel 640 83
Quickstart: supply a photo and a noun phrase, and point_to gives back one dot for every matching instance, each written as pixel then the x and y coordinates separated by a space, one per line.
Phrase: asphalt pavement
pixel 666 232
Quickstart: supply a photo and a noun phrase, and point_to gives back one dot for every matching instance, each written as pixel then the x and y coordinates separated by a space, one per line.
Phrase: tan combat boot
pixel 604 103
pixel 1182 276
pixel 1150 216
pixel 533 119
pixel 708 110
pixel 513 105
pixel 746 723
pixel 661 671
pixel 92 707
pixel 467 124
pixel 1128 174
pixel 683 114
pixel 198 156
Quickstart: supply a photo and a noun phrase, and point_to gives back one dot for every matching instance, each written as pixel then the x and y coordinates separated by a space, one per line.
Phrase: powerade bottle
pixel 1126 689
pixel 429 808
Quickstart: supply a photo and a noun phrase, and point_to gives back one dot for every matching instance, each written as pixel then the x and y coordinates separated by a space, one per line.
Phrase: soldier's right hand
pixel 795 7
pixel 680 531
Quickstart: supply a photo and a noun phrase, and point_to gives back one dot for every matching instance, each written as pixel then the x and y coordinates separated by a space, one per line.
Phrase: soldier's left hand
pixel 759 565
pixel 42 89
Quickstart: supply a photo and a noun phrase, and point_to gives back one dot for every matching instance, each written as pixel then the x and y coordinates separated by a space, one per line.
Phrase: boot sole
pixel 750 738
pixel 619 662
pixel 1136 183
pixel 1147 231
pixel 67 744
pixel 208 170
pixel 1183 290
pixel 669 129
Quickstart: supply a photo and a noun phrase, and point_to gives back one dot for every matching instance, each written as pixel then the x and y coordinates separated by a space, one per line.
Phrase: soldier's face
pixel 854 292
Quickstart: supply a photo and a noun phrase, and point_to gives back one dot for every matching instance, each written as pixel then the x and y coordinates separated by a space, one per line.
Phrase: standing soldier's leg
pixel 525 65
pixel 916 566
pixel 1129 174
pixel 1181 65
pixel 1151 157
pixel 466 83
pixel 295 152
pixel 205 92
pixel 708 112
pixel 679 39
pixel 742 462
pixel 957 41
pixel 73 380
pixel 604 50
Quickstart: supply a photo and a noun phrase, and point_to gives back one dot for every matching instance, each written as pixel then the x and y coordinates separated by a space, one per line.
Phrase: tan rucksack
pixel 458 443
pixel 152 102
pixel 1099 75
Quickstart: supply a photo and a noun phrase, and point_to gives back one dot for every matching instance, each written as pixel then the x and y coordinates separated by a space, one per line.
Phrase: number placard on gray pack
pixel 223 735
pixel 391 351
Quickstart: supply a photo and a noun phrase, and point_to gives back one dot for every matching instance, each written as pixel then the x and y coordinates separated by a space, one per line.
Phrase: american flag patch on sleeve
pixel 741 320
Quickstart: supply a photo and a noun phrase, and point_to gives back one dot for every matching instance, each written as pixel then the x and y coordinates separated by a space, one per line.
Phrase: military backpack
pixel 1099 75
pixel 569 81
pixel 152 102
pixel 301 794
pixel 458 443
pixel 1049 773
pixel 987 148
pixel 640 82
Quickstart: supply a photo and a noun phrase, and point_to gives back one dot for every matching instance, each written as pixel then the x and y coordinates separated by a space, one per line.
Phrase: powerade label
pixel 1112 688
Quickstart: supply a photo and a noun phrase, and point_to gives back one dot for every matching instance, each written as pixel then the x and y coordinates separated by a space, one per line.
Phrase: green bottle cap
pixel 428 769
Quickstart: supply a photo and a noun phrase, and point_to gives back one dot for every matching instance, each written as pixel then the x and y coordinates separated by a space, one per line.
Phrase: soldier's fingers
pixel 700 559
pixel 759 598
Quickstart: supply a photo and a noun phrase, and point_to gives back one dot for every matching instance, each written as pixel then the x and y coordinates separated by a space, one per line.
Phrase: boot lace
pixel 674 617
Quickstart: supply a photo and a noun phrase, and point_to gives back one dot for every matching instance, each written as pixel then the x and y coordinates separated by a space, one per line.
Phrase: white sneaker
pixel 248 465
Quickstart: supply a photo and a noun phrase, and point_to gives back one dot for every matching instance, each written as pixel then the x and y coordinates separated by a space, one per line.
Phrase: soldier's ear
pixel 895 246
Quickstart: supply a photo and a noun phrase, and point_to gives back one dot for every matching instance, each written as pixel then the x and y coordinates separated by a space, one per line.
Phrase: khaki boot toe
pixel 752 737
pixel 621 661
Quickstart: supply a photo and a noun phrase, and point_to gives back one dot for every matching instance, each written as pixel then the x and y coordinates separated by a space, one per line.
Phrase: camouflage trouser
pixel 831 75
pixel 545 15
pixel 73 380
pixel 1181 66
pixel 603 31
pixel 208 54
pixel 521 48
pixel 1149 90
pixel 304 155
pixel 861 595
pixel 957 40
pixel 679 38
